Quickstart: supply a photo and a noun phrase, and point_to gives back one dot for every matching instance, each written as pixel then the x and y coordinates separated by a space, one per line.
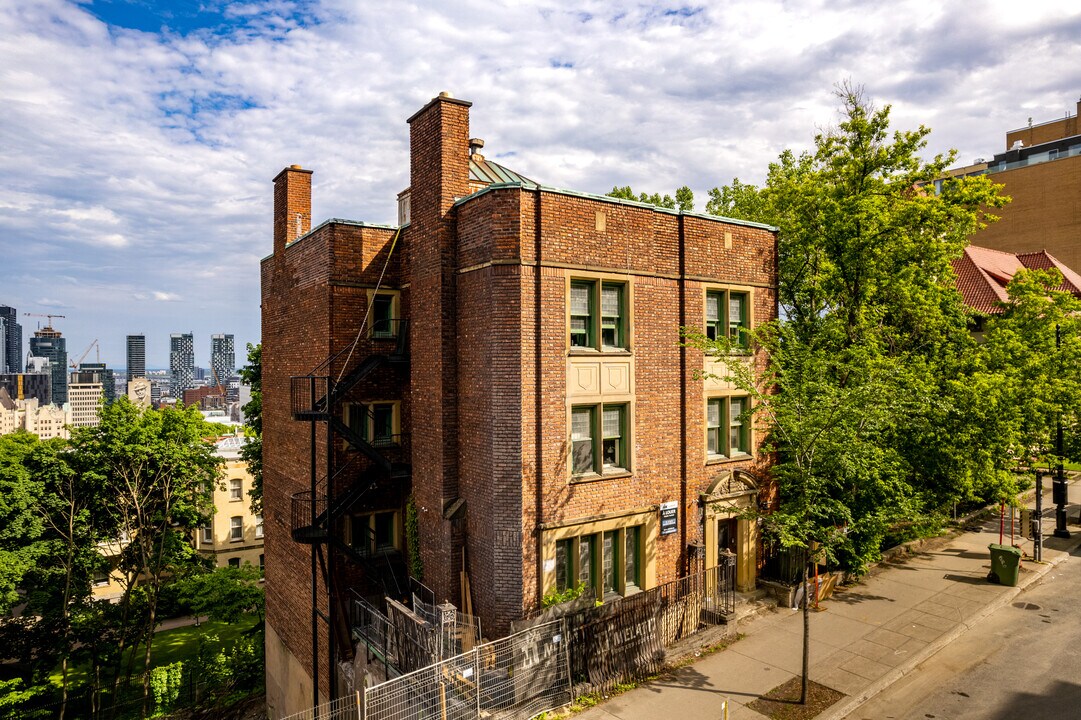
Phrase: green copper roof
pixel 486 171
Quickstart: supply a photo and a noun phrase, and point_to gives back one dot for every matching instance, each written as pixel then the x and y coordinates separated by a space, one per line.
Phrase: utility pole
pixel 1058 485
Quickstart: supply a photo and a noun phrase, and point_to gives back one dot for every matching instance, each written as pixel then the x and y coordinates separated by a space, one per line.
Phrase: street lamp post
pixel 1058 485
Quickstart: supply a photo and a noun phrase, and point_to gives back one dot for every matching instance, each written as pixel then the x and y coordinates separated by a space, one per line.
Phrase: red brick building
pixel 510 358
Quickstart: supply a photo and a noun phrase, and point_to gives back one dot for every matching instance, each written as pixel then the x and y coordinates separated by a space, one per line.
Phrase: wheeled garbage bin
pixel 1005 564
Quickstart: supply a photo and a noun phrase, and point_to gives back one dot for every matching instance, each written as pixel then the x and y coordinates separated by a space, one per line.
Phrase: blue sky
pixel 139 138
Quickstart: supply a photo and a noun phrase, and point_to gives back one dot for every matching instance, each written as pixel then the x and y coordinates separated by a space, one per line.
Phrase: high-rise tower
pixel 136 356
pixel 11 359
pixel 222 357
pixel 181 362
pixel 49 343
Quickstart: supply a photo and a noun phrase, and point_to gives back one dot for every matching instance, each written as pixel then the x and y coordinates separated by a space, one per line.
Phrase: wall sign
pixel 669 518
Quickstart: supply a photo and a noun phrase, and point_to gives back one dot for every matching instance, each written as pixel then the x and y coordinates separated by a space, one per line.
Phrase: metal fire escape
pixel 318 514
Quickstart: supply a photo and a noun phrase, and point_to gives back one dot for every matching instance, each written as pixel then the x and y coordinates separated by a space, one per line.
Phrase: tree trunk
pixel 806 637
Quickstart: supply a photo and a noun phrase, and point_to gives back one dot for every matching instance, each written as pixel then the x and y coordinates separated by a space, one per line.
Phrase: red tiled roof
pixel 983 273
pixel 1043 260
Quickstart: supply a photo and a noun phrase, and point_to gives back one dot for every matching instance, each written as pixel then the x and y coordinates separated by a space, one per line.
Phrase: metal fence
pixel 563 652
pixel 627 639
pixel 519 676
pixel 350 707
pixel 456 632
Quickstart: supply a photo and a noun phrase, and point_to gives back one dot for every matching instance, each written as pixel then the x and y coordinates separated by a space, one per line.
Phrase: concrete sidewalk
pixel 862 639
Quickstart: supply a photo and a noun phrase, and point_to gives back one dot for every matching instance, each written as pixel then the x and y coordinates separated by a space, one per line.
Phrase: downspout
pixel 684 560
pixel 538 489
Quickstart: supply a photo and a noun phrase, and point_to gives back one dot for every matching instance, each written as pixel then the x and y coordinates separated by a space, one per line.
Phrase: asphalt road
pixel 1022 661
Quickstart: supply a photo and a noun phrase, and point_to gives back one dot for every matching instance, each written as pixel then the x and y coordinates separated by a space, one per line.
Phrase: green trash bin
pixel 1005 564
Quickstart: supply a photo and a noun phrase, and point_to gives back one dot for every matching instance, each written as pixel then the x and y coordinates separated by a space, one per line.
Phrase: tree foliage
pixel 684 199
pixel 22 526
pixel 158 473
pixel 857 383
pixel 225 594
pixel 252 451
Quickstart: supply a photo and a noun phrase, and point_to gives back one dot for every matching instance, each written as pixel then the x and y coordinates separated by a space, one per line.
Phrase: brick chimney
pixel 438 174
pixel 292 206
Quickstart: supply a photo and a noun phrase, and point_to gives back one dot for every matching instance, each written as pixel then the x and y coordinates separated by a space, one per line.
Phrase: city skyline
pixel 118 360
pixel 139 139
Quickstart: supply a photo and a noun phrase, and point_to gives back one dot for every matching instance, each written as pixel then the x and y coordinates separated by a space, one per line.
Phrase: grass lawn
pixel 170 646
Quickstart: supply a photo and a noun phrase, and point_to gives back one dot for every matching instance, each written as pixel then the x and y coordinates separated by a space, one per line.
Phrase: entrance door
pixel 726 536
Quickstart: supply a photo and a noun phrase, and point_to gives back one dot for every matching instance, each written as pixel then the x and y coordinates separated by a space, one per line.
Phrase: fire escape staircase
pixel 318 397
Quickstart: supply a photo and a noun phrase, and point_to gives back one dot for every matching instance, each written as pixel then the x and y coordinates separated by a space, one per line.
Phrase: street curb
pixel 856 701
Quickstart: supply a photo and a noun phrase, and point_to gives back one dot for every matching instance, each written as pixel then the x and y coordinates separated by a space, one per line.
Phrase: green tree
pixel 252 451
pixel 21 526
pixel 58 588
pixel 159 474
pixel 873 331
pixel 1035 347
pixel 224 594
pixel 684 199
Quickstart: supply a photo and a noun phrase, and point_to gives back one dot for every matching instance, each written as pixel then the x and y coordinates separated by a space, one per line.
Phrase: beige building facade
pixel 45 421
pixel 235 534
pixel 85 402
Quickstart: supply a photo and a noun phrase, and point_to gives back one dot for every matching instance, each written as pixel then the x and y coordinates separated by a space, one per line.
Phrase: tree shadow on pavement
pixel 689 678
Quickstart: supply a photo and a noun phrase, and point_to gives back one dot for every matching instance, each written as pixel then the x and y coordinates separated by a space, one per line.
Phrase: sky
pixel 138 139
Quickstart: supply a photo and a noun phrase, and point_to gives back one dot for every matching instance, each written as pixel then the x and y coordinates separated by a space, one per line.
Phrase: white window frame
pixel 236 528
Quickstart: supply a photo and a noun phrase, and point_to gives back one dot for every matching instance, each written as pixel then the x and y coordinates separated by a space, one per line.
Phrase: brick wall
pixel 314 296
pixel 439 173
pixel 484 283
pixel 1044 213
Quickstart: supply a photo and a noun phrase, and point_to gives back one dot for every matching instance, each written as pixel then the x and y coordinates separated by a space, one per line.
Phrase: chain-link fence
pixel 456 632
pixel 350 707
pixel 519 676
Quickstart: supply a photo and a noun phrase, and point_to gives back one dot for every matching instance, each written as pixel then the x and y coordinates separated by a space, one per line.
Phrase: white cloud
pixel 138 159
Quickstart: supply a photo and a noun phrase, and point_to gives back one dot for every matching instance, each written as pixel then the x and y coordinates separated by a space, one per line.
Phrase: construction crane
pixel 217 380
pixel 76 363
pixel 45 316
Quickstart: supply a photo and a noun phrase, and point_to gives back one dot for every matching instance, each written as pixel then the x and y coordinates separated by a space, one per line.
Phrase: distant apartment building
pixel 206 397
pixel 136 356
pixel 42 419
pixel 1040 169
pixel 222 358
pixel 235 534
pixel 97 372
pixel 49 343
pixel 85 399
pixel 27 386
pixel 11 356
pixel 181 363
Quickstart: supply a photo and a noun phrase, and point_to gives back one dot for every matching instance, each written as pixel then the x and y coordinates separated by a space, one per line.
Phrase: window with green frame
pixel 598 315
pixel 728 430
pixel 374 533
pixel 374 422
pixel 600 439
pixel 608 563
pixel 382 320
pixel 727 315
